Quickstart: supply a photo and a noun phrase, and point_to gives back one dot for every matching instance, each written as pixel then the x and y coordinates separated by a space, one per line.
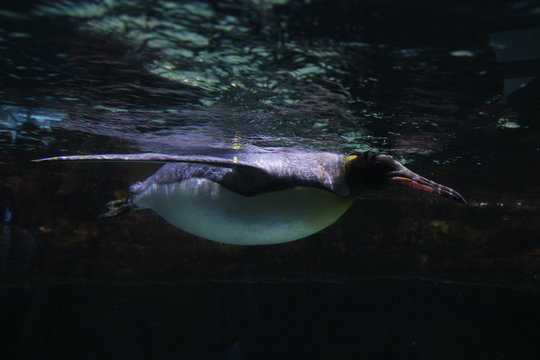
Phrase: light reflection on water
pixel 161 73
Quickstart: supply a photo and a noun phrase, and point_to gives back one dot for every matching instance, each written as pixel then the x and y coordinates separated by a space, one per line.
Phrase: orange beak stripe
pixel 411 184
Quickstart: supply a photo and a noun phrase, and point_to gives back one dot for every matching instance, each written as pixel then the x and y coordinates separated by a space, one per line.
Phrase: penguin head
pixel 370 172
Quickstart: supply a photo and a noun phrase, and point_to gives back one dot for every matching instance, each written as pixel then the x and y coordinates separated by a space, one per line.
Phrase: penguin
pixel 260 198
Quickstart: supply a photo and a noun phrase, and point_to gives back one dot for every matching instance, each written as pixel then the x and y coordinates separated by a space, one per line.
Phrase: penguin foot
pixel 118 207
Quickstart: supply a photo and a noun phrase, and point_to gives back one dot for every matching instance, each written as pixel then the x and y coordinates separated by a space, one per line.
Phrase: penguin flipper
pixel 152 158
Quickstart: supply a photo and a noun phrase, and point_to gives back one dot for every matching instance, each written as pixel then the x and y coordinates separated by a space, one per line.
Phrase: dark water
pixel 451 88
pixel 373 320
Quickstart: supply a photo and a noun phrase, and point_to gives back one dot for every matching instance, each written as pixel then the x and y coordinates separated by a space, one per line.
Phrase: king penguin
pixel 260 198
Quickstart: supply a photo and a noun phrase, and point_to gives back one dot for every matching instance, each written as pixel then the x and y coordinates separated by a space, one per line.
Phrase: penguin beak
pixel 407 178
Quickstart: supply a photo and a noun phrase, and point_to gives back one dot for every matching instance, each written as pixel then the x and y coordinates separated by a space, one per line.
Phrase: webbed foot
pixel 118 207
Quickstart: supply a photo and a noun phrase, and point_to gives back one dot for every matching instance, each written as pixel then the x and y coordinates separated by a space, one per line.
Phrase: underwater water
pixel 449 88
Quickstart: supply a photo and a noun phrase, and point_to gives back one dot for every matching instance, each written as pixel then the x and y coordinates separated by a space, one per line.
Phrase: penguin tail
pixel 118 207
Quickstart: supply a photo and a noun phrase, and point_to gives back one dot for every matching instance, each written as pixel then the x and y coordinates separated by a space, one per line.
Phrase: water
pixel 449 88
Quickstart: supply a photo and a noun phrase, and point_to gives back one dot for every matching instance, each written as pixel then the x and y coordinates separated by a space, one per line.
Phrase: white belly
pixel 208 210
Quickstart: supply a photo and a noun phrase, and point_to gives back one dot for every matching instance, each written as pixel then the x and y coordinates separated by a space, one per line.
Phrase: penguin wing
pixel 152 158
pixel 245 178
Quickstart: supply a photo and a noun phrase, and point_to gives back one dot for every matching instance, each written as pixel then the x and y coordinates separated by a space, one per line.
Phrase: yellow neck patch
pixel 346 159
